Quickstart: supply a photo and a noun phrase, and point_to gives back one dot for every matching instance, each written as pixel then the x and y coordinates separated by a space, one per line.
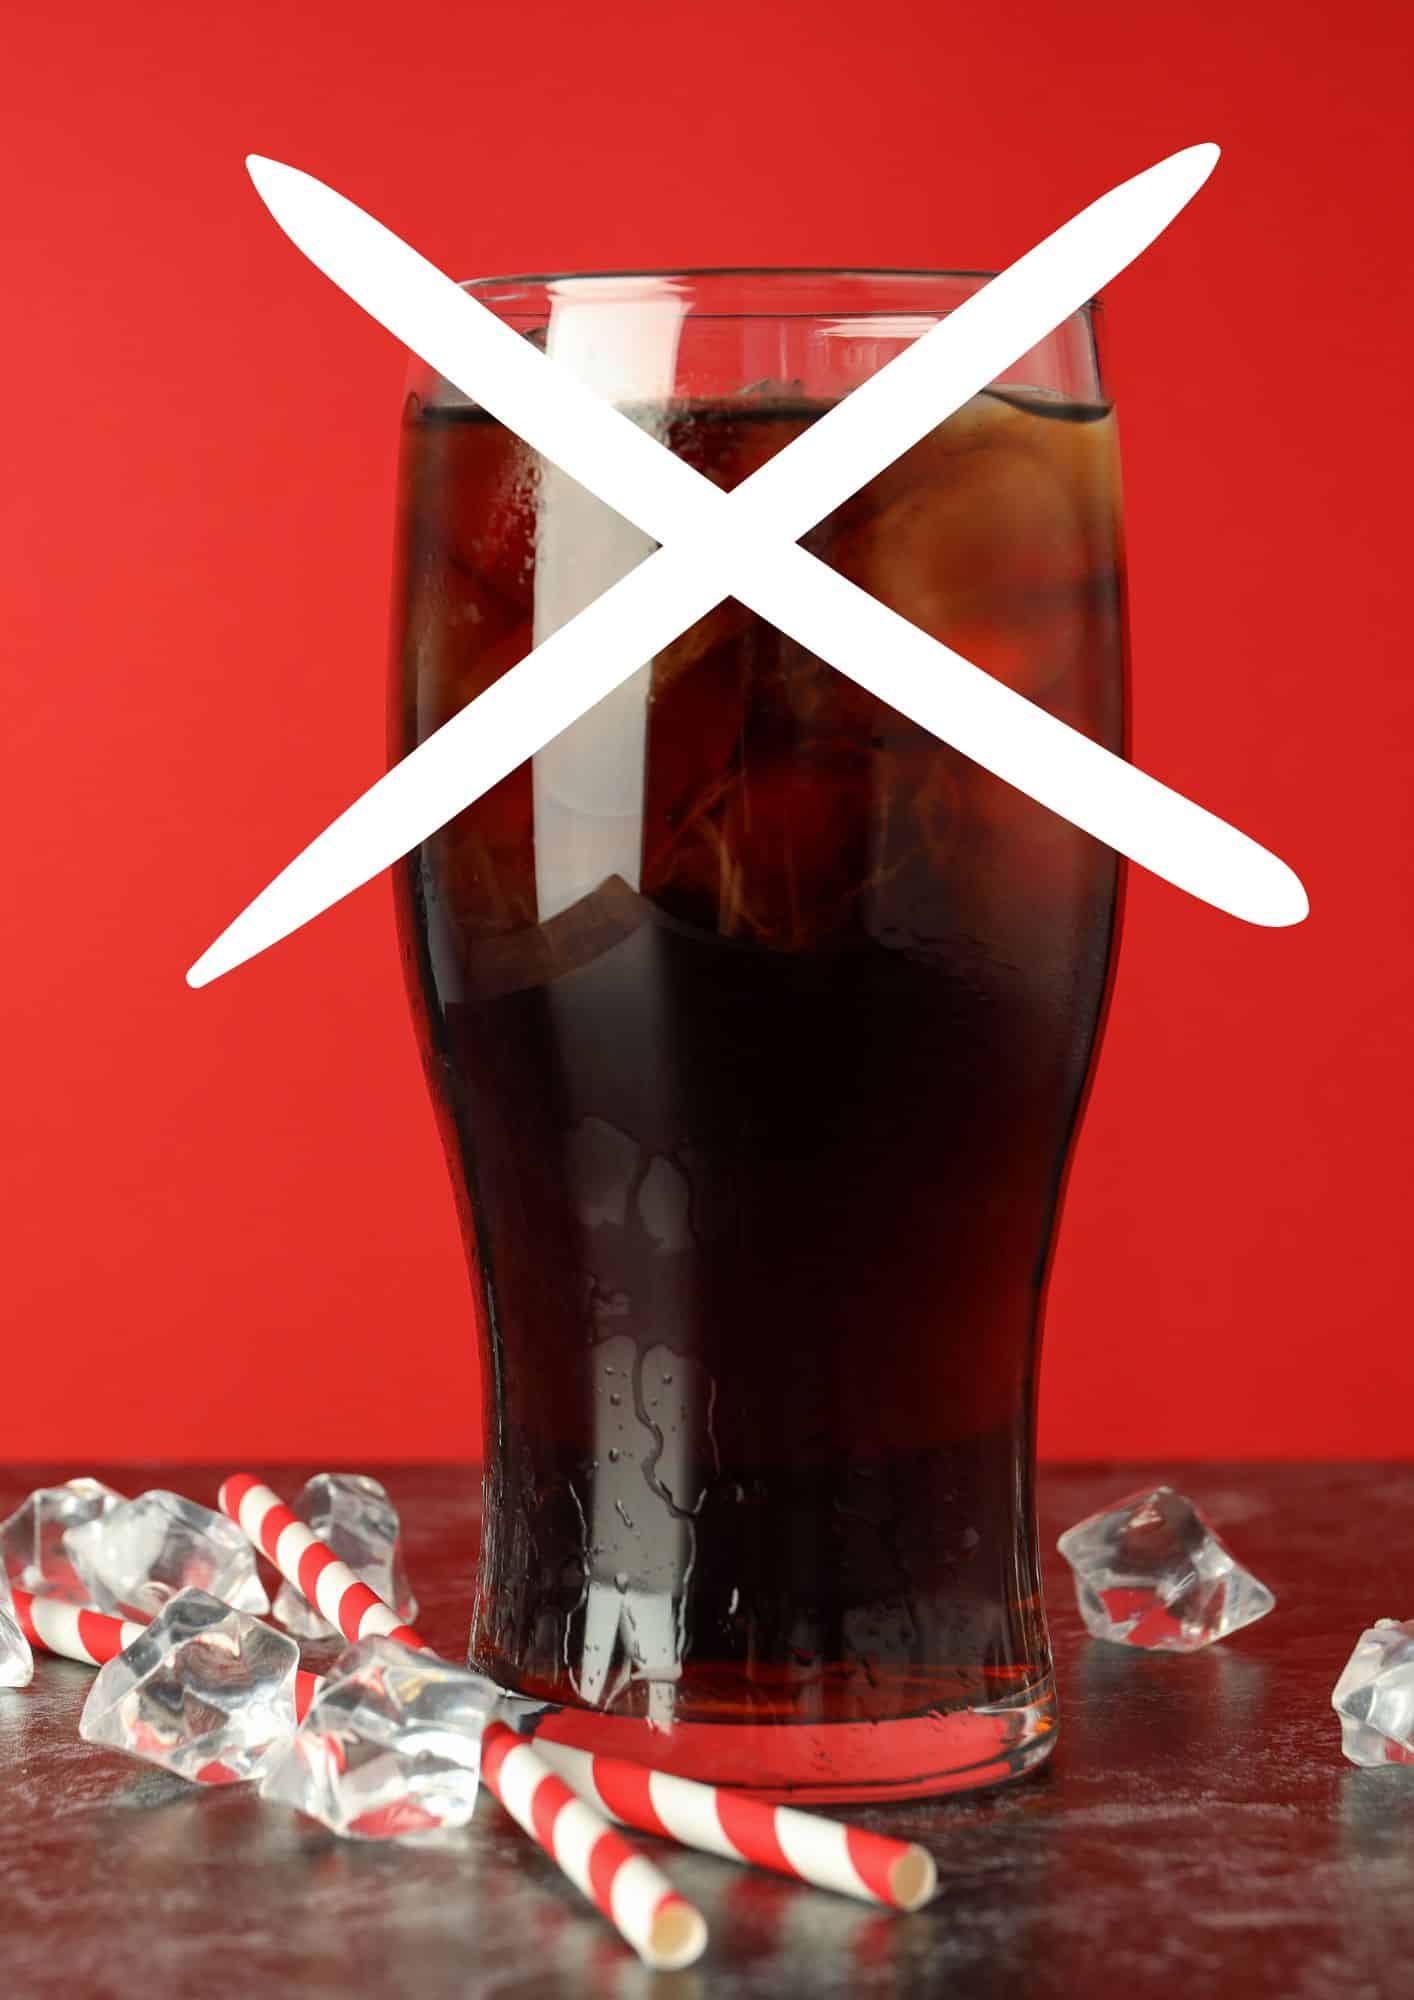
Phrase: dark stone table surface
pixel 1196 1832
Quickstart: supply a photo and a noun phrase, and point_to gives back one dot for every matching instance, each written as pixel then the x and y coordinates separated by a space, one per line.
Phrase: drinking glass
pixel 759 1022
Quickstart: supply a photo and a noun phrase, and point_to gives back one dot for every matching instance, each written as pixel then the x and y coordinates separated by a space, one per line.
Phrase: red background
pixel 228 1230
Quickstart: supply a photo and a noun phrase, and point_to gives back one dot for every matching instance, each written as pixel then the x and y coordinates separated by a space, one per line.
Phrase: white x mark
pixel 745 543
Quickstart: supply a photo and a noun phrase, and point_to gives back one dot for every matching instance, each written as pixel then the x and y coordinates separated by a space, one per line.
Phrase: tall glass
pixel 759 1022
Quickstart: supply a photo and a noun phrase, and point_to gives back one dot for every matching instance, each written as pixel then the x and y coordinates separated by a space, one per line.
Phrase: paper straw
pixel 663 1927
pixel 74 1632
pixel 813 1849
pixel 310 1565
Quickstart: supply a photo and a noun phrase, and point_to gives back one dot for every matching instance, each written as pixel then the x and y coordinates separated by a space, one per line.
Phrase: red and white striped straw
pixel 74 1632
pixel 663 1927
pixel 310 1565
pixel 807 1846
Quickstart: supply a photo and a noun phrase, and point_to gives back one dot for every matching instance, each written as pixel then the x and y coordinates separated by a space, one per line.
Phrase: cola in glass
pixel 759 1077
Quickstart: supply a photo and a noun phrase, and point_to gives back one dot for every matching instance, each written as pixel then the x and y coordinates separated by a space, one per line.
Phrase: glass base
pixel 838 1763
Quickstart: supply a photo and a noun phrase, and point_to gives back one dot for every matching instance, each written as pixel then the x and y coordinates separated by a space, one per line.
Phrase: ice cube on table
pixel 133 1558
pixel 1374 1696
pixel 32 1539
pixel 16 1659
pixel 1151 1572
pixel 206 1692
pixel 391 1746
pixel 354 1515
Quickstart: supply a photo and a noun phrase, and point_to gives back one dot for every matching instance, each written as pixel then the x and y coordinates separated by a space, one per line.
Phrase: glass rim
pixel 524 280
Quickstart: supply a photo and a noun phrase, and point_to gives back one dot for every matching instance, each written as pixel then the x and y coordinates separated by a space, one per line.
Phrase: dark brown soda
pixel 761 1153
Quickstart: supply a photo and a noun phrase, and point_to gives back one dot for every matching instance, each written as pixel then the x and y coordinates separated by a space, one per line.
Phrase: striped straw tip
pixel 913 1879
pixel 677 1935
pixel 233 1490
